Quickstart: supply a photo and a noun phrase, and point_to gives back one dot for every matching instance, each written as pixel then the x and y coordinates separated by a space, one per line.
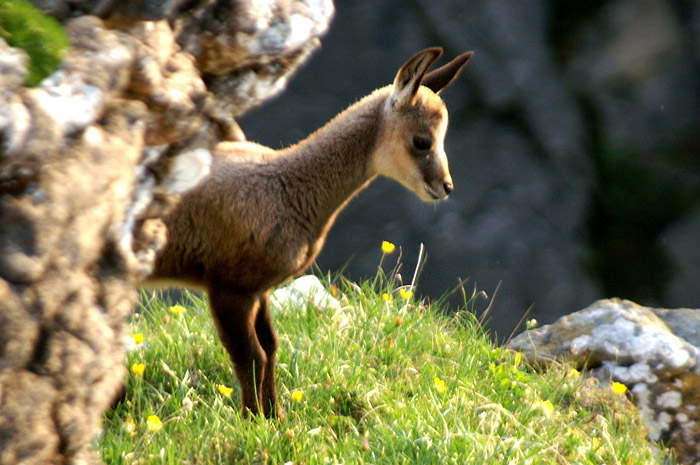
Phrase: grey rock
pixel 641 347
pixel 13 67
pixel 515 70
pixel 303 293
pixel 612 331
pixel 630 63
pixel 683 322
pixel 680 242
pixel 71 103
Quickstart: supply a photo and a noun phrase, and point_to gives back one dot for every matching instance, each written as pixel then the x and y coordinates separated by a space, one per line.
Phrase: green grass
pixel 381 382
pixel 42 37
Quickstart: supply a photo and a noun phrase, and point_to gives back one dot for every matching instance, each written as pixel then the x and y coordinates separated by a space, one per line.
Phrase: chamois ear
pixel 442 77
pixel 410 76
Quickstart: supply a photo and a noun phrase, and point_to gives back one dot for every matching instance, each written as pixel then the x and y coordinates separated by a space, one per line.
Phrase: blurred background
pixel 574 145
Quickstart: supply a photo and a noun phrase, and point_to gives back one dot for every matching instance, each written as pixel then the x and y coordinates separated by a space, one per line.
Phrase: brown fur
pixel 262 215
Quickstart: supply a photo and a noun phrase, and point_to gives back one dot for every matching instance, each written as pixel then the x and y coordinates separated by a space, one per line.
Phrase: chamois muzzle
pixel 437 181
pixel 448 186
pixel 438 189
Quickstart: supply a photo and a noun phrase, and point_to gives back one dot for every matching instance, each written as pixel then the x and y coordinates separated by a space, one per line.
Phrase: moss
pixel 40 36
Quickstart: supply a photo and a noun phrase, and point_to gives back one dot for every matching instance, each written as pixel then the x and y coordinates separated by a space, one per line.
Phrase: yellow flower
pixel 619 388
pixel 398 320
pixel 138 368
pixel 138 339
pixel 153 423
pixel 297 395
pixel 546 407
pixel 388 247
pixel 405 293
pixel 130 426
pixel 574 373
pixel 387 297
pixel 177 309
pixel 439 385
pixel 289 433
pixel 224 390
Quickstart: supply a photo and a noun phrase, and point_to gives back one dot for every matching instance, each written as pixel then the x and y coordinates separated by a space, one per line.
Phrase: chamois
pixel 261 216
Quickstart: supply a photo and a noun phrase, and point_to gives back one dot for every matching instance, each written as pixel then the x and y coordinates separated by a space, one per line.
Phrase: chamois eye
pixel 422 143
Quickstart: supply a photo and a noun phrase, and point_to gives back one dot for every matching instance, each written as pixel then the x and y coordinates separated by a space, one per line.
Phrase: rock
pixel 683 322
pixel 307 293
pixel 630 63
pixel 617 330
pixel 639 347
pixel 90 161
pixel 516 70
pixel 13 67
pixel 680 242
pixel 302 292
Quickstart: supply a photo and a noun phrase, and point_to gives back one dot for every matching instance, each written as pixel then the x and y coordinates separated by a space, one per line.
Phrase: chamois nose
pixel 447 185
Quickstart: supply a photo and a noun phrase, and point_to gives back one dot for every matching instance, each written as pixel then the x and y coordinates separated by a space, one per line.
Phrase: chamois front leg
pixel 267 336
pixel 235 315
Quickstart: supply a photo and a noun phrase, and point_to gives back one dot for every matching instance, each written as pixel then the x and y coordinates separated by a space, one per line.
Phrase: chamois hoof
pixel 273 413
pixel 276 413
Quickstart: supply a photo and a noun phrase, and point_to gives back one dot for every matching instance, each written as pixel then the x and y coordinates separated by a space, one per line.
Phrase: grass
pixel 380 381
pixel 42 37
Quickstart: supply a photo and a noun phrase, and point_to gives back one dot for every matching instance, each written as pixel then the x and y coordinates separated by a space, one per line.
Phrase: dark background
pixel 574 146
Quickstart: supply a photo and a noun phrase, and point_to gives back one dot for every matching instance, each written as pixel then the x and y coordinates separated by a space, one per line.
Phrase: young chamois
pixel 261 216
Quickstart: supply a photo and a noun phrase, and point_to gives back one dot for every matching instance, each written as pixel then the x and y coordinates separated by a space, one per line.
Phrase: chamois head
pixel 411 146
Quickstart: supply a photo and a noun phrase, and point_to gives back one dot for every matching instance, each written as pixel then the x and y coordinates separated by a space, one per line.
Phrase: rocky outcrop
pixel 89 161
pixel 654 352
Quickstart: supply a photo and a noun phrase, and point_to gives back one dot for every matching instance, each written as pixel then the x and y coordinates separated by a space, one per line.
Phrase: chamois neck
pixel 333 163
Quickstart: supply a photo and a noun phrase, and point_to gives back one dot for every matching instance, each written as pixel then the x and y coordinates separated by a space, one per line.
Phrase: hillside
pixel 381 379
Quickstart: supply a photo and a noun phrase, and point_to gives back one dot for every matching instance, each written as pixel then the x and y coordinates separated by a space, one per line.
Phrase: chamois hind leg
pixel 235 317
pixel 267 336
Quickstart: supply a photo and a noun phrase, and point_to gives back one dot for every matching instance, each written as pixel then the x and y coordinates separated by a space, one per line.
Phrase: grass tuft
pixel 40 36
pixel 376 382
